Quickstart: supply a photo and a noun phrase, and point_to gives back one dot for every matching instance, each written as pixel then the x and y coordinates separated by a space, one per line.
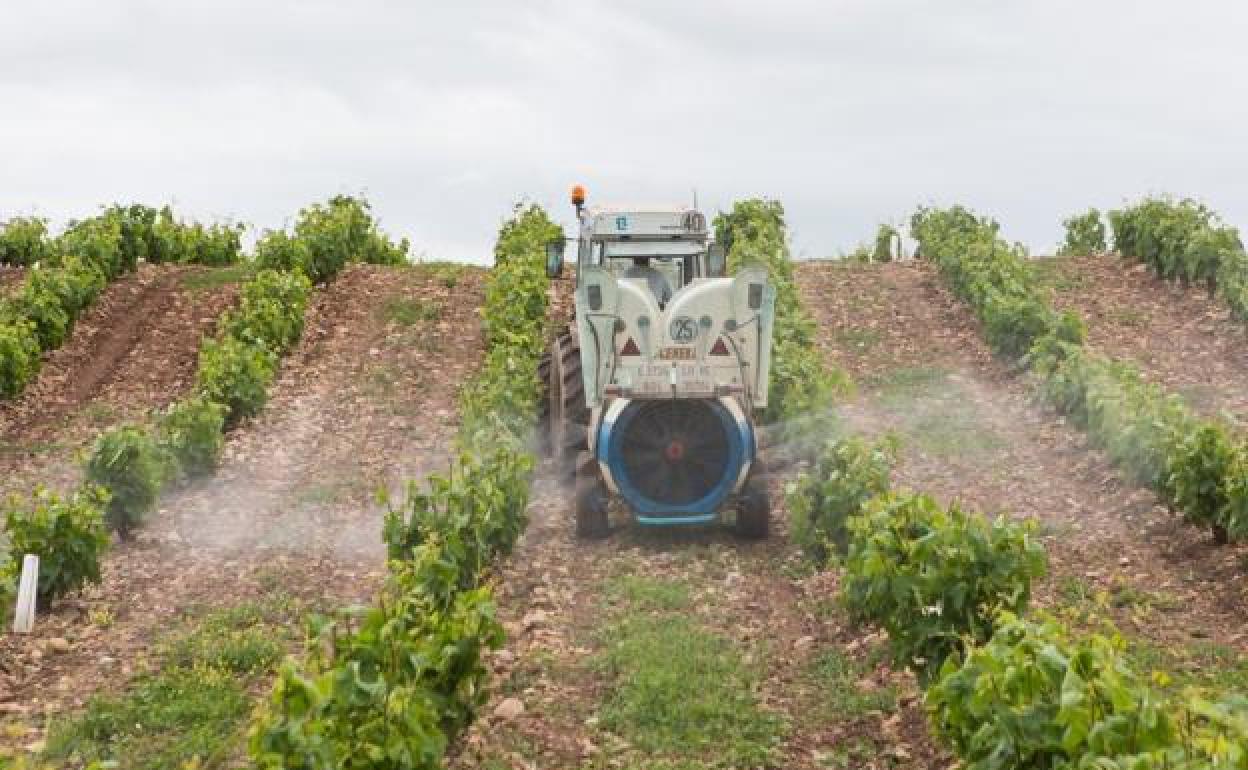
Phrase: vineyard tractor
pixel 654 387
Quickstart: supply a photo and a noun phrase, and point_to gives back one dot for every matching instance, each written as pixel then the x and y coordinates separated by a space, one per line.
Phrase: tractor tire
pixel 754 505
pixel 543 404
pixel 591 499
pixel 1221 535
pixel 569 416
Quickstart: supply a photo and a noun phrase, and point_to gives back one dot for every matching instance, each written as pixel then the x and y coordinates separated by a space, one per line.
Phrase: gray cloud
pixel 851 112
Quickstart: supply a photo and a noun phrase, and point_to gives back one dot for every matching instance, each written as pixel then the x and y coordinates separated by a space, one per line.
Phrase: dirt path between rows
pixel 1181 338
pixel 972 431
pixel 367 399
pixel 134 350
pixel 11 279
pixel 557 598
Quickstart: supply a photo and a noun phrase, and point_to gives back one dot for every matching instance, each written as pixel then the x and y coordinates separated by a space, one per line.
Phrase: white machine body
pixel 702 345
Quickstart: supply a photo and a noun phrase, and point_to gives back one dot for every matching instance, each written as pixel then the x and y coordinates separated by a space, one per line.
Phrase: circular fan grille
pixel 675 452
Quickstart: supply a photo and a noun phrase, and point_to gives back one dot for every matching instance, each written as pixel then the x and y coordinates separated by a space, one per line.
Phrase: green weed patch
pixel 208 280
pixel 680 693
pixel 841 696
pixel 190 708
pixel 404 311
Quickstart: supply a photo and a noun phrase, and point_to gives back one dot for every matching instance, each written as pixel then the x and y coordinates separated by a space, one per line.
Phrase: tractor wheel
pixel 591 499
pixel 1221 535
pixel 569 417
pixel 754 505
pixel 543 404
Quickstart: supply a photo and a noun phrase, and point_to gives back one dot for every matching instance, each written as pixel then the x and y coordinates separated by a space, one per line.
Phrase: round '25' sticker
pixel 683 329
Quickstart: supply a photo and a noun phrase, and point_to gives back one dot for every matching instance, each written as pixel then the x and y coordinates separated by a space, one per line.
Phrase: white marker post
pixel 24 617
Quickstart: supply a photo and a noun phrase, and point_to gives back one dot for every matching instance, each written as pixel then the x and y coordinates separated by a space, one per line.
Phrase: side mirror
pixel 554 257
pixel 716 261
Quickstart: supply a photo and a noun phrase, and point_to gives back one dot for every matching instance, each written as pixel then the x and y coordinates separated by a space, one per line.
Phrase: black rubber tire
pixel 543 404
pixel 754 505
pixel 591 499
pixel 1221 536
pixel 569 416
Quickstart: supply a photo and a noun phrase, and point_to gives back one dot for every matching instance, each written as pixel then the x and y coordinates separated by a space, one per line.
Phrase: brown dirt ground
pixel 133 351
pixel 1181 338
pixel 11 279
pixel 363 401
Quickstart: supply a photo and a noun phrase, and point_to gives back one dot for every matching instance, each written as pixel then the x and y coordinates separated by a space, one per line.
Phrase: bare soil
pixel 1179 337
pixel 11 279
pixel 364 401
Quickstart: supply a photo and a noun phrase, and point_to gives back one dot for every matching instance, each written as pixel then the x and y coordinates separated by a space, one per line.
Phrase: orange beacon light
pixel 578 195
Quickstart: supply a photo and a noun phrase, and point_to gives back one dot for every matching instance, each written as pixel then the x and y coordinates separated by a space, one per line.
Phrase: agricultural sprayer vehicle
pixel 654 387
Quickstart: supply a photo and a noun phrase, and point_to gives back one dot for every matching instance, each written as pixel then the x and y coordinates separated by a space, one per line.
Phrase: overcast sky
pixel 852 113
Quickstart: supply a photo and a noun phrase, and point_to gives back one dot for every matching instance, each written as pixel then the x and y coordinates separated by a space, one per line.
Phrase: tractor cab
pixel 667 247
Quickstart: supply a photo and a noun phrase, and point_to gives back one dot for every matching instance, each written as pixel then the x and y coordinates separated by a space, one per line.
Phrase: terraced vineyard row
pixel 129 465
pixel 1196 465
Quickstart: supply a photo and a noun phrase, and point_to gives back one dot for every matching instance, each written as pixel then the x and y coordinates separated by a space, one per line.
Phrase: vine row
pixel 1004 691
pixel 390 687
pixel 130 466
pixel 1197 466
pixel 69 271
